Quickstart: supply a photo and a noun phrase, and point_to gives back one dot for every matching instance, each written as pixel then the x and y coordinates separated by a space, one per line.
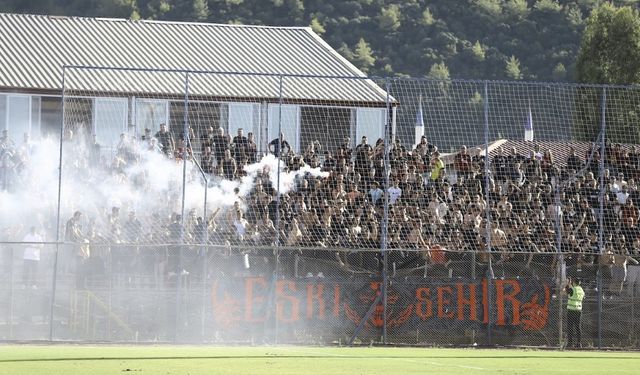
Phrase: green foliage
pixel 516 9
pixel 476 100
pixel 547 6
pixel 363 56
pixel 473 38
pixel 477 51
pixel 512 68
pixel 559 72
pixel 317 27
pixel 492 9
pixel 200 10
pixel 427 17
pixel 610 48
pixel 439 71
pixel 609 53
pixel 389 18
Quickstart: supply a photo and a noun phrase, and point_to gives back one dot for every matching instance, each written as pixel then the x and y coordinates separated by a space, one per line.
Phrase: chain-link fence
pixel 177 206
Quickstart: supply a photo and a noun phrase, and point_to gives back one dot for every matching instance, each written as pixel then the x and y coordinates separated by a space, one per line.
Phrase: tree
pixel 547 5
pixel 559 72
pixel 427 18
pixel 363 56
pixel 517 9
pixel 610 48
pixel 477 51
pixel 609 54
pixel 389 18
pixel 200 10
pixel 439 71
pixel 513 68
pixel 317 27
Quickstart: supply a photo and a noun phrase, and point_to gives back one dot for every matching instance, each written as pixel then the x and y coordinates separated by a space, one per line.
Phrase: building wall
pixel 108 117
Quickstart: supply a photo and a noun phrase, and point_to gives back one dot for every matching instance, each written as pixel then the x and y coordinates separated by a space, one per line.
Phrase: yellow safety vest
pixel 575 300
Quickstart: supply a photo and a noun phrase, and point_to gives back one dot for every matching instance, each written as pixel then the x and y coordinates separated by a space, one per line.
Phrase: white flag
pixel 528 127
pixel 419 130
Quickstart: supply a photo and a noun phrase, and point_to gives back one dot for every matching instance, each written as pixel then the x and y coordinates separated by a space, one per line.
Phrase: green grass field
pixel 98 360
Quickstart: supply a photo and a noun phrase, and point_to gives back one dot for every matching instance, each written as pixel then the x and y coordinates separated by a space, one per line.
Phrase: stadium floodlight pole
pixel 603 155
pixel 185 135
pixel 489 274
pixel 57 252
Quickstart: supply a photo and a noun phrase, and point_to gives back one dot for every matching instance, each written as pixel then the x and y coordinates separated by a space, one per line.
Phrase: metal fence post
pixel 278 218
pixel 489 274
pixel 385 219
pixel 382 297
pixel 603 153
pixel 205 259
pixel 56 255
pixel 179 275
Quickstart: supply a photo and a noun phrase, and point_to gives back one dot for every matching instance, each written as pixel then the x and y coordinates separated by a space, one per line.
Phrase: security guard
pixel 574 310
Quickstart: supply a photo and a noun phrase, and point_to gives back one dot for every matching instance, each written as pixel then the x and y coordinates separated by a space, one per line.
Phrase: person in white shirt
pixel 31 257
pixel 240 223
pixel 375 193
pixel 394 193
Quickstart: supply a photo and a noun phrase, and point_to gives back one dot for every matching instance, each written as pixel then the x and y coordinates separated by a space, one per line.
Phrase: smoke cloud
pixel 146 182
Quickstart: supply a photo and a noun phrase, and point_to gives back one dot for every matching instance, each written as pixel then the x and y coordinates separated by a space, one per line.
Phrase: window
pixel 289 124
pixel 50 116
pixel 36 131
pixel 110 120
pixel 18 116
pixel 241 116
pixel 370 123
pixel 3 111
pixel 328 125
pixel 150 114
pixel 79 116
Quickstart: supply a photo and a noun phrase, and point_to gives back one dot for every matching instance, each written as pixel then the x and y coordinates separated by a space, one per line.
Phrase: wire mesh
pixel 327 209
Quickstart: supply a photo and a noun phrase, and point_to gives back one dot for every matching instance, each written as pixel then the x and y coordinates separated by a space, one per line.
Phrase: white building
pixel 34 49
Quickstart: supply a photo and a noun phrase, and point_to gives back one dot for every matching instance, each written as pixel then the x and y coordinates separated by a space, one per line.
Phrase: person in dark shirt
pixel 279 145
pixel 364 152
pixel 165 139
pixel 221 144
pixel 252 149
pixel 229 166
pixel 240 145
pixel 329 162
pixel 573 161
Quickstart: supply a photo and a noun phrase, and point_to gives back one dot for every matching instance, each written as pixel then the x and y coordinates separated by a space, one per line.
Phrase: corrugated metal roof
pixel 34 49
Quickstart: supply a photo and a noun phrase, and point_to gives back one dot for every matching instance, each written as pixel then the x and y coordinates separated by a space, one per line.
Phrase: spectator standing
pixel 462 162
pixel 221 144
pixel 395 192
pixel 165 139
pixel 279 145
pixel 252 149
pixel 31 258
pixel 574 312
pixel 206 161
pixel 364 152
pixel 633 270
pixel 229 166
pixel 240 146
pixel 437 168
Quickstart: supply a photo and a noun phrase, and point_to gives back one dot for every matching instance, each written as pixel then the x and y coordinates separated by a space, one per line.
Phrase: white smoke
pixel 152 183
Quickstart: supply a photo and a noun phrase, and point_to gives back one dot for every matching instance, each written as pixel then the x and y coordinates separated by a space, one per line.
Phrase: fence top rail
pixel 357 78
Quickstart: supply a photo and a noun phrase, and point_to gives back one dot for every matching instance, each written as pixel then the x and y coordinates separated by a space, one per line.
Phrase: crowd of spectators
pixel 441 208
